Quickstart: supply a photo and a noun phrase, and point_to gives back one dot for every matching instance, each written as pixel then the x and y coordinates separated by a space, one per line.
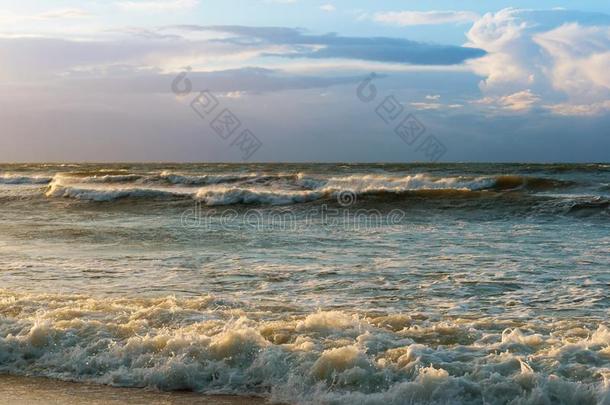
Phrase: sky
pixel 304 80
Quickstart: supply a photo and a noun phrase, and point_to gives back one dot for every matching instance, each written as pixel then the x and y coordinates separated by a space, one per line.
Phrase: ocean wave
pixel 20 179
pixel 95 179
pixel 57 189
pixel 316 189
pixel 221 178
pixel 529 183
pixel 312 189
pixel 297 188
pixel 590 205
pixel 184 179
pixel 211 345
pixel 377 183
pixel 235 195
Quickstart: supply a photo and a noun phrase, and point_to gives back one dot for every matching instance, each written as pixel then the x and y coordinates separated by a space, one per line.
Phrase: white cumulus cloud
pixel 558 57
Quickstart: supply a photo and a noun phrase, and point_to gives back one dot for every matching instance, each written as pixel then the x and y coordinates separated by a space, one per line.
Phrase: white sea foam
pixel 241 195
pixel 202 344
pixel 377 183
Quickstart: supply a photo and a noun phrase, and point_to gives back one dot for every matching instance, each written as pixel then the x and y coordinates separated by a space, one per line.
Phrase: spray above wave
pixel 211 345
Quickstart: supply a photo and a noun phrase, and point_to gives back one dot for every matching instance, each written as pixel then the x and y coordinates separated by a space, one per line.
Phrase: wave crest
pixel 58 189
pixel 20 179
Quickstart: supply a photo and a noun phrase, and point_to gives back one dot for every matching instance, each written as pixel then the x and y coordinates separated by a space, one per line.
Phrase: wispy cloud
pixel 66 13
pixel 426 106
pixel 157 5
pixel 63 13
pixel 433 103
pixel 407 18
pixel 328 8
pixel 332 46
pixel 585 110
pixel 520 101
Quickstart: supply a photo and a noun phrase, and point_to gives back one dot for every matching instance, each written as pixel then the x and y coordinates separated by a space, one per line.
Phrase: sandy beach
pixel 16 390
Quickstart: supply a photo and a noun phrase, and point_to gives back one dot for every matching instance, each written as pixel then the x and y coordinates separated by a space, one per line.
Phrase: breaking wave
pixel 59 189
pixel 230 196
pixel 260 187
pixel 211 345
pixel 20 179
pixel 183 179
pixel 106 178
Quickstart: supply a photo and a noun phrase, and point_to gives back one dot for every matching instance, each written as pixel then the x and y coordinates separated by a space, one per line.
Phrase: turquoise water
pixel 311 283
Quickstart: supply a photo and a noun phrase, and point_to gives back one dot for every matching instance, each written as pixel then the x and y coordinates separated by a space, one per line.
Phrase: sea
pixel 311 283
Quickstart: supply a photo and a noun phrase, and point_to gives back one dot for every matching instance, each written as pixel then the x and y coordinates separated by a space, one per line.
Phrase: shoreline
pixel 19 390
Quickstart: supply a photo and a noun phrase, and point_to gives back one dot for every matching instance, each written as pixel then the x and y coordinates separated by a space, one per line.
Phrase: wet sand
pixel 42 391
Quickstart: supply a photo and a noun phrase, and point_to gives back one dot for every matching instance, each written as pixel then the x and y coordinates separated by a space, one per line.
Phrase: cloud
pixel 35 59
pixel 145 63
pixel 580 109
pixel 66 13
pixel 562 56
pixel 380 49
pixel 41 58
pixel 433 103
pixel 230 83
pixel 113 87
pixel 580 59
pixel 328 8
pixel 61 14
pixel 233 94
pixel 520 101
pixel 157 6
pixel 408 18
pixel 427 106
